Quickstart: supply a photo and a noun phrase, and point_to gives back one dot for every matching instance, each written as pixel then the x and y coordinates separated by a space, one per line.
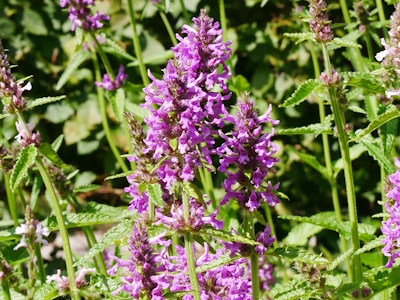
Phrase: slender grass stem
pixel 194 281
pixel 184 12
pixel 348 172
pixel 12 204
pixel 104 58
pixel 136 45
pixel 255 283
pixel 106 127
pixel 223 20
pixel 169 28
pixel 382 17
pixel 22 197
pixel 42 272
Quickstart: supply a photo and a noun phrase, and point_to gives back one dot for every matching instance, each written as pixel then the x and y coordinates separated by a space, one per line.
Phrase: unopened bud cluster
pixel 319 22
pixel 332 80
pixel 362 16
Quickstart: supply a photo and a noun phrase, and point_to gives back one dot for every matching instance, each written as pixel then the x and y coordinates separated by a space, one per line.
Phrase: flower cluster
pixel 63 282
pixel 26 136
pixel 391 227
pixel 145 270
pixel 333 80
pixel 390 57
pixel 224 282
pixel 10 90
pixel 184 104
pixel 81 15
pixel 319 22
pixel 252 153
pixel 110 85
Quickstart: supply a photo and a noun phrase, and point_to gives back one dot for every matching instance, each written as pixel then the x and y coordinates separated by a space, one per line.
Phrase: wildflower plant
pixel 199 210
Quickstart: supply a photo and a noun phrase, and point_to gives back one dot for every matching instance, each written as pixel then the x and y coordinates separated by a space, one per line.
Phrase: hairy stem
pixel 42 272
pixel 104 58
pixel 136 45
pixel 194 281
pixel 348 171
pixel 255 283
pixel 169 28
pixel 223 20
pixel 382 17
pixel 184 12
pixel 104 120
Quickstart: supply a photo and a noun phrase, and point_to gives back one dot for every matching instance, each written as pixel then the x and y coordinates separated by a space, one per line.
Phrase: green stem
pixel 385 293
pixel 185 13
pixel 345 11
pixel 223 20
pixel 254 260
pixel 104 58
pixel 382 17
pixel 61 225
pixel 194 281
pixel 22 197
pixel 4 285
pixel 210 187
pixel 169 28
pixel 42 273
pixel 348 172
pixel 106 127
pixel 369 46
pixel 92 238
pixel 11 201
pixel 136 45
pixel 328 160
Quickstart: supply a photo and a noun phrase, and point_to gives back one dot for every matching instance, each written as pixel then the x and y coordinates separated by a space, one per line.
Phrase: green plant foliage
pixel 155 193
pixel 339 259
pixel 338 42
pixel 293 254
pixel 312 161
pixel 300 37
pixel 25 160
pixel 227 236
pixel 106 286
pixel 301 93
pixel 315 129
pixel 221 261
pixel 76 60
pixel 86 188
pixel 367 82
pixel 45 292
pixel 45 100
pixel 47 151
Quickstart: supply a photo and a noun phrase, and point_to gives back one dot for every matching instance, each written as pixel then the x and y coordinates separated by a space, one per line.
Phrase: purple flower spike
pixel 391 227
pixel 185 105
pixel 110 85
pixel 81 15
pixel 265 240
pixel 252 154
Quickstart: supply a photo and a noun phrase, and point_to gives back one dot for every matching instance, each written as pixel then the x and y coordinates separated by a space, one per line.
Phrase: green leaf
pixel 14 295
pixel 86 188
pixel 59 112
pixel 2 116
pixel 33 22
pixel 107 285
pixel 348 288
pixel 121 175
pixel 366 231
pixel 357 109
pixel 366 81
pixel 154 59
pixel 222 260
pixel 113 47
pixel 107 210
pixel 117 99
pixel 312 161
pixel 297 282
pixel 46 292
pixel 193 191
pixel 300 36
pixel 79 35
pixel 355 152
pixel 115 233
pixel 390 114
pixel 299 234
pixel 46 150
pixel 224 235
pixel 388 135
pixel 339 259
pixel 8 235
pixel 73 220
pixel 381 278
pixel 293 254
pixel 155 194
pixel 240 84
pixel 76 60
pixel 25 160
pixel 338 42
pixel 14 257
pixel 36 186
pixel 56 144
pixel 370 245
pixel 260 218
pixel 315 129
pixel 45 100
pixel 376 152
pixel 301 93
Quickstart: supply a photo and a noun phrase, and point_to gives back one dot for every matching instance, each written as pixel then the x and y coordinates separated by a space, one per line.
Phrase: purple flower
pixel 319 22
pixel 110 85
pixel 265 273
pixel 63 282
pixel 224 282
pixel 32 230
pixel 251 154
pixel 391 227
pixel 146 270
pixel 25 138
pixel 81 15
pixel 185 104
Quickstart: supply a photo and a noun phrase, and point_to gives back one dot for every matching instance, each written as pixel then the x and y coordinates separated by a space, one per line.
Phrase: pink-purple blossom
pixel 24 137
pixel 33 230
pixel 110 85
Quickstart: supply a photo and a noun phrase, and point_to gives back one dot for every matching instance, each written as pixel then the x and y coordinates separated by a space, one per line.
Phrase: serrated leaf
pixel 155 194
pixel 338 42
pixel 293 254
pixel 370 245
pixel 107 285
pixel 75 61
pixel 56 144
pixel 193 191
pixel 357 109
pixel 14 295
pixel 46 150
pixel 222 260
pixel 311 161
pixel 339 259
pixel 301 93
pixel 46 292
pixel 300 233
pixel 73 220
pixel 113 47
pixel 381 278
pixel 8 235
pixel 25 160
pixel 365 81
pixel 355 152
pixel 117 99
pixel 86 188
pixel 121 175
pixel 390 114
pixel 376 152
pixel 366 231
pixel 295 283
pixel 141 187
pixel 315 129
pixel 388 135
pixel 45 100
pixel 260 218
pixel 36 186
pixel 107 210
pixel 116 233
pixel 224 235
pixel 2 116
pixel 300 36
pixel 14 257
pixel 348 288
